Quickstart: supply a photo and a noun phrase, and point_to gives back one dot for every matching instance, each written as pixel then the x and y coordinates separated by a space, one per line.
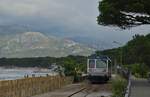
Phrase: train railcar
pixel 99 68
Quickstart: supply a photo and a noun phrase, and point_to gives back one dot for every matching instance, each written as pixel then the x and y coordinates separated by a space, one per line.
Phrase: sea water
pixel 11 74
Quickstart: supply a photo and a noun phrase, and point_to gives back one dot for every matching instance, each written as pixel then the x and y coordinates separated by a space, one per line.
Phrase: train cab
pixel 98 68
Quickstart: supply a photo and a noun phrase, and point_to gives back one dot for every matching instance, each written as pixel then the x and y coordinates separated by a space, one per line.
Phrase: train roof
pixel 102 57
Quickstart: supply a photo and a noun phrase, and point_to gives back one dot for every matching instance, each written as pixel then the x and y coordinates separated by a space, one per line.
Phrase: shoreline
pixel 19 73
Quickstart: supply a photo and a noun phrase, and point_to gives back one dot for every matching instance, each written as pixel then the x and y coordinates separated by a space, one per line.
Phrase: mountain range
pixel 36 44
pixel 95 43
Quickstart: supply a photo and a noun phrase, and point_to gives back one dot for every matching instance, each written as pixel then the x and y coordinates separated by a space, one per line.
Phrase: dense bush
pixel 119 85
pixel 139 70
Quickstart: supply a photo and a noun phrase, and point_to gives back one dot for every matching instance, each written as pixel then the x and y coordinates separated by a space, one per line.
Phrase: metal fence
pixel 128 89
pixel 126 73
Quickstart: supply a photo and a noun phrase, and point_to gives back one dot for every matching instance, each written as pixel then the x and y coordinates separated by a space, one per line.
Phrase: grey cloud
pixel 65 18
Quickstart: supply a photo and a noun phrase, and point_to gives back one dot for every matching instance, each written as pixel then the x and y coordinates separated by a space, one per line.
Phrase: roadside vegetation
pixel 138 70
pixel 119 85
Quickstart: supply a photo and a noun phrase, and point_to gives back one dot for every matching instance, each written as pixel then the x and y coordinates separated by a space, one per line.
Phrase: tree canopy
pixel 70 63
pixel 124 13
pixel 135 51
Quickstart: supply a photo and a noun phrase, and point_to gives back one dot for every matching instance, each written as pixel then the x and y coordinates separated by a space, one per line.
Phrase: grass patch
pixel 119 85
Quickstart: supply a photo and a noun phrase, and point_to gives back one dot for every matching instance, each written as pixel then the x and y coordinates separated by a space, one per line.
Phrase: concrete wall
pixel 32 86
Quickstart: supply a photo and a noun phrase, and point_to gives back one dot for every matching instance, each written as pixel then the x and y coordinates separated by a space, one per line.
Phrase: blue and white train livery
pixel 98 68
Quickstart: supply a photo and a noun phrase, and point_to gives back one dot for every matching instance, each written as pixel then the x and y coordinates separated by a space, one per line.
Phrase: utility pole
pixel 121 52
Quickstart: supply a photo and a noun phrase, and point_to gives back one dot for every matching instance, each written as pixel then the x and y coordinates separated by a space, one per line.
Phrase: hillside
pixel 136 50
pixel 36 44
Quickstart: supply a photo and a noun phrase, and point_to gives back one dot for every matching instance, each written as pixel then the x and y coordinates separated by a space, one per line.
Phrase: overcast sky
pixel 64 18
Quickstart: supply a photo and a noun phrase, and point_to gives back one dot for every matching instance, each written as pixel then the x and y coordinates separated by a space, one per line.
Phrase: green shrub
pixel 139 70
pixel 119 85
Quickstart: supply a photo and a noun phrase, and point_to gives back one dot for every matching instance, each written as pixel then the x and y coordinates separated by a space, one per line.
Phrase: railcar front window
pixel 100 64
pixel 91 63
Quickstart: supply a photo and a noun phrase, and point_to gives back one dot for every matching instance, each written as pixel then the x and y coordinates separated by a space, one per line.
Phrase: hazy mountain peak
pixel 36 44
pixel 33 34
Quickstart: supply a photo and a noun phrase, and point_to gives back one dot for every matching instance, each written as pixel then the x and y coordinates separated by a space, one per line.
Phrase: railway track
pixel 93 90
pixel 81 90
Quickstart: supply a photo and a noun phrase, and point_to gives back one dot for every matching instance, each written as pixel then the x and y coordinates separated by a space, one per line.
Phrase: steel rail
pixel 76 92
